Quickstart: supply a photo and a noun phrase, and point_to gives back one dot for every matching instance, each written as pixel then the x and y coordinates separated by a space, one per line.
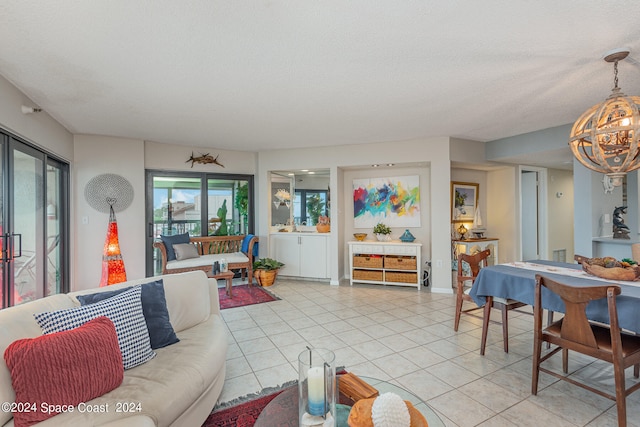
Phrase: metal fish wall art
pixel 204 159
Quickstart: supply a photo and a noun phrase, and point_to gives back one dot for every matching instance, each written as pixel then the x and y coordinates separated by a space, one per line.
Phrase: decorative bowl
pixel 360 236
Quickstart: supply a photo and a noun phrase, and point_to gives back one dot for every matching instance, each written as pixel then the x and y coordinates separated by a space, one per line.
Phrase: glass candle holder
pixel 317 387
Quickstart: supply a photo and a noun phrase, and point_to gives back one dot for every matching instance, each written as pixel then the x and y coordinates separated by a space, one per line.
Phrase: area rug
pixel 244 295
pixel 244 411
pixel 241 415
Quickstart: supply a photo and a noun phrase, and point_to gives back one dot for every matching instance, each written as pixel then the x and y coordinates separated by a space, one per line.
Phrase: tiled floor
pixel 406 337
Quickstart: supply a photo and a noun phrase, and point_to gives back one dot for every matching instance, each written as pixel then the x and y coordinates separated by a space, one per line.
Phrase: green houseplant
pixel 382 232
pixel 265 270
pixel 241 203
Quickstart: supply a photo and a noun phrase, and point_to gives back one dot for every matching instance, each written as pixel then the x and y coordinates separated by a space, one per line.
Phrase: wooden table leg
pixel 229 281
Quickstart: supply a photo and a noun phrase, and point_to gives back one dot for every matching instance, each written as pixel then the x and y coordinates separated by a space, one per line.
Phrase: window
pixel 308 205
pixel 200 204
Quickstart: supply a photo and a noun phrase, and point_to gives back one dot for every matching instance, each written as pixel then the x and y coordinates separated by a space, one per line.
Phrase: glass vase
pixel 317 387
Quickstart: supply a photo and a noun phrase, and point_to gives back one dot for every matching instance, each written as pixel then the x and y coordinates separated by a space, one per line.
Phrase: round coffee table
pixel 283 410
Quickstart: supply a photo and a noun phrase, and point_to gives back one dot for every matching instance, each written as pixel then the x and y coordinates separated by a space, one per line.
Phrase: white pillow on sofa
pixel 188 299
pixel 124 310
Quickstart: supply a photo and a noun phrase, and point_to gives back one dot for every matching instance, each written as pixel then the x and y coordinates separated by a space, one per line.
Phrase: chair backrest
pixel 575 324
pixel 475 261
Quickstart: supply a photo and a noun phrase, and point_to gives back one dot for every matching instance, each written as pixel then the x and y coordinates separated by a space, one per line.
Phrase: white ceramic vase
pixel 383 237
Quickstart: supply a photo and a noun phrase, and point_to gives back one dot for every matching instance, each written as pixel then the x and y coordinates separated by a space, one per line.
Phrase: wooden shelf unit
pixel 385 263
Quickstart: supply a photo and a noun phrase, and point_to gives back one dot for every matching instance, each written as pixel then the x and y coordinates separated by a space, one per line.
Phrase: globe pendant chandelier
pixel 605 138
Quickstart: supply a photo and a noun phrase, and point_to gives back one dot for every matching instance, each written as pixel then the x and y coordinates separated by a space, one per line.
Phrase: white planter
pixel 383 237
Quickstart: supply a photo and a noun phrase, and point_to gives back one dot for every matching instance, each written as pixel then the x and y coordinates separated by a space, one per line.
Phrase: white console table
pixel 385 263
pixel 469 246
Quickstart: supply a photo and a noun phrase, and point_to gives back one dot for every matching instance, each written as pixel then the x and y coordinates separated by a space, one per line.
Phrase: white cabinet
pixel 386 263
pixel 471 246
pixel 303 255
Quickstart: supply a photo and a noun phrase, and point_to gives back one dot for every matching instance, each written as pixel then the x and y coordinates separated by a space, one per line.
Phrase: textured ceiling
pixel 259 75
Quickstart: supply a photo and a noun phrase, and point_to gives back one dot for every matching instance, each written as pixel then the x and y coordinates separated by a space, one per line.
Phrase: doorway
pixel 34 223
pixel 533 213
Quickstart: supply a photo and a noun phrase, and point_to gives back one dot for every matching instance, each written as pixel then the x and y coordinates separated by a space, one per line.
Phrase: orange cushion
pixel 53 371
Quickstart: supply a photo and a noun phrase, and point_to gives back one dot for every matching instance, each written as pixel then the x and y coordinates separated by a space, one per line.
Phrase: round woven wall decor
pixel 106 190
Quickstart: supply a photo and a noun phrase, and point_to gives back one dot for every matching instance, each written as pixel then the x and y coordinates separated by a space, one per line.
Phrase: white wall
pixel 39 129
pixel 95 155
pixel 503 212
pixel 174 158
pixel 433 157
pixel 560 212
pixel 601 204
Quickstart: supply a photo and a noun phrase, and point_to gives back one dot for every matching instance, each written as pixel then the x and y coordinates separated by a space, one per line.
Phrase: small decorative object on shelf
pixel 265 270
pixel 477 228
pixel 360 236
pixel 324 224
pixel 462 230
pixel 407 236
pixel 382 232
pixel 620 229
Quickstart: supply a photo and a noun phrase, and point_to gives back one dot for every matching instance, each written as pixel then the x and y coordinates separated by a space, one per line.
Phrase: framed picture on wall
pixel 395 201
pixel 464 200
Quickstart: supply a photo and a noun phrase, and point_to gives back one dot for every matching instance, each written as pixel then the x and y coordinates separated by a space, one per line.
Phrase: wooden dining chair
pixel 576 333
pixel 464 285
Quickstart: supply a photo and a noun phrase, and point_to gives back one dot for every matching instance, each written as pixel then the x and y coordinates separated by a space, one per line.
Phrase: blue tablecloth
pixel 519 284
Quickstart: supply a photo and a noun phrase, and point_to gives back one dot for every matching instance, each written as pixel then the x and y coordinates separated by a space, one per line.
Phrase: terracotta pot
pixel 265 277
pixel 323 228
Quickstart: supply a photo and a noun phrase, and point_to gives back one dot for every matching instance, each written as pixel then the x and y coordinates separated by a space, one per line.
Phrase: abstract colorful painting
pixel 394 201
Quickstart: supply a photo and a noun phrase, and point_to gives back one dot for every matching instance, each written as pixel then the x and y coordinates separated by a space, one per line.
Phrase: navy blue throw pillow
pixel 169 241
pixel 154 308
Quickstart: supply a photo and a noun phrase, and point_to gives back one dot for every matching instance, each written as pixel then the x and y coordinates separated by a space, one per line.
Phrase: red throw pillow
pixel 51 372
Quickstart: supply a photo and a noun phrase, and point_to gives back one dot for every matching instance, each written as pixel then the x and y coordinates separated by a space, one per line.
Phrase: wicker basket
pixel 400 262
pixel 392 276
pixel 364 261
pixel 375 276
pixel 265 277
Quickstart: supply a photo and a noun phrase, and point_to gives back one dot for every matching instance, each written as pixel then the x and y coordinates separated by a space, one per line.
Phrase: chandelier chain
pixel 615 74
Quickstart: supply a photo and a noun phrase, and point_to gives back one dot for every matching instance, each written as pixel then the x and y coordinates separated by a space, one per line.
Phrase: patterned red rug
pixel 242 415
pixel 244 295
pixel 246 410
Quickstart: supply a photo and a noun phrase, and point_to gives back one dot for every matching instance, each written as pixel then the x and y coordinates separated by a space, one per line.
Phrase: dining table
pixel 516 280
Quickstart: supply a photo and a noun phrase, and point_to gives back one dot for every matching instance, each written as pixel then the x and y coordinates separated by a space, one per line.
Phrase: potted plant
pixel 382 232
pixel 324 224
pixel 265 270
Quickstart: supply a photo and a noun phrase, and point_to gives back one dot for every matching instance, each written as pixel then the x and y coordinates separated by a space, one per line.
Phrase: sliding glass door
pixel 33 223
pixel 200 204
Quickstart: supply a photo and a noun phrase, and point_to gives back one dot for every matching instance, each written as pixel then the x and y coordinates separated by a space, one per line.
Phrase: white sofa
pixel 178 387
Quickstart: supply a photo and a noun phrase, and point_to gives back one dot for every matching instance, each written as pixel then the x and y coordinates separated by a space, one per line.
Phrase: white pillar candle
pixel 315 379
